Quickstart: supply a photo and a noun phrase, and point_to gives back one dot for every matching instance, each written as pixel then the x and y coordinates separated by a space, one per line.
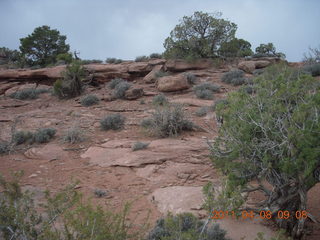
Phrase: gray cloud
pixel 128 28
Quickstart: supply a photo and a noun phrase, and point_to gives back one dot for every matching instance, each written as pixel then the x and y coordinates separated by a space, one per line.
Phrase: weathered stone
pixel 134 93
pixel 250 66
pixel 178 65
pixel 172 83
pixel 150 77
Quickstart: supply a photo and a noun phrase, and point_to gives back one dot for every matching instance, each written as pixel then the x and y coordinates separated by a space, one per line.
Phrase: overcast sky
pixel 128 28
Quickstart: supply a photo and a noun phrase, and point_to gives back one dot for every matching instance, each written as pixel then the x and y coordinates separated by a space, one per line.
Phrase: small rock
pixel 33 175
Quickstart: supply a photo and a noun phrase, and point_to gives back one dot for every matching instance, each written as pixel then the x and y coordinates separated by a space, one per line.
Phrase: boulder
pixel 19 88
pixel 150 77
pixel 172 83
pixel 134 93
pixel 250 66
pixel 178 65
pixel 7 85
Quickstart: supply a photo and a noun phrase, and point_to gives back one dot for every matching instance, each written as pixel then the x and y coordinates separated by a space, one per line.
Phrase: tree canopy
pixel 43 46
pixel 268 50
pixel 235 48
pixel 199 36
pixel 272 137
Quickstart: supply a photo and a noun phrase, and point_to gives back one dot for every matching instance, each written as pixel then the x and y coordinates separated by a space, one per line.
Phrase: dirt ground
pixel 167 176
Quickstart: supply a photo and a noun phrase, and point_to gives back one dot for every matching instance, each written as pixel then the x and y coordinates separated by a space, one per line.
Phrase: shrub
pixel 160 74
pixel 73 135
pixel 258 72
pixel 142 101
pixel 191 78
pixel 20 137
pixel 114 60
pixel 235 77
pixel 64 57
pixel 141 59
pixel 71 85
pixel 114 82
pixel 168 121
pixel 185 226
pixel 155 55
pixel 89 100
pixel 4 147
pixel 205 90
pixel 28 93
pixel 91 61
pixel 100 193
pixel 146 123
pixel 113 121
pixel 202 111
pixel 219 102
pixel 313 69
pixel 160 100
pixel 120 89
pixel 139 146
pixel 44 135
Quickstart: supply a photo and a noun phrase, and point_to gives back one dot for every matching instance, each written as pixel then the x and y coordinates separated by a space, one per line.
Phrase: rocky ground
pixel 166 176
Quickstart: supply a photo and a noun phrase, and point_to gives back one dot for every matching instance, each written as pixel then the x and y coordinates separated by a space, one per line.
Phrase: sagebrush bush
pixel 71 84
pixel 160 74
pixel 191 78
pixel 73 135
pixel 91 61
pixel 206 90
pixel 168 121
pixel 89 100
pixel 114 82
pixel 155 55
pixel 120 89
pixel 313 69
pixel 235 77
pixel 141 59
pixel 44 135
pixel 113 121
pixel 28 93
pixel 100 193
pixel 221 102
pixel 258 72
pixel 4 147
pixel 139 146
pixel 20 137
pixel 146 123
pixel 202 111
pixel 41 135
pixel 160 100
pixel 114 60
pixel 185 226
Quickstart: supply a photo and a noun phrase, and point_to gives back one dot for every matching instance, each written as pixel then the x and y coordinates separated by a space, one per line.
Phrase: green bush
pixel 100 193
pixel 139 146
pixel 160 100
pixel 168 121
pixel 120 89
pixel 20 137
pixel 64 57
pixel 155 55
pixel 91 61
pixel 73 135
pixel 28 93
pixel 313 69
pixel 89 100
pixel 113 121
pixel 160 74
pixel 235 77
pixel 114 60
pixel 71 85
pixel 4 147
pixel 141 59
pixel 146 123
pixel 185 226
pixel 114 82
pixel 202 111
pixel 205 90
pixel 191 78
pixel 41 135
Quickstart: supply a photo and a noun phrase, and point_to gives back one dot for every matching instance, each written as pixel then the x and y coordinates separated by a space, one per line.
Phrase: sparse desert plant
pixel 120 89
pixel 71 84
pixel 155 55
pixel 146 123
pixel 89 100
pixel 91 61
pixel 168 121
pixel 191 78
pixel 113 121
pixel 4 147
pixel 73 135
pixel 219 102
pixel 141 59
pixel 100 193
pixel 258 72
pixel 313 69
pixel 142 101
pixel 235 77
pixel 114 82
pixel 185 226
pixel 206 90
pixel 20 137
pixel 160 100
pixel 160 74
pixel 44 135
pixel 202 111
pixel 28 93
pixel 114 60
pixel 139 146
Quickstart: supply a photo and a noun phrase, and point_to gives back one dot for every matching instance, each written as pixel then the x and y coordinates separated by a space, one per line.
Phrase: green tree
pixel 199 36
pixel 269 50
pixel 43 46
pixel 269 142
pixel 235 48
pixel 8 56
